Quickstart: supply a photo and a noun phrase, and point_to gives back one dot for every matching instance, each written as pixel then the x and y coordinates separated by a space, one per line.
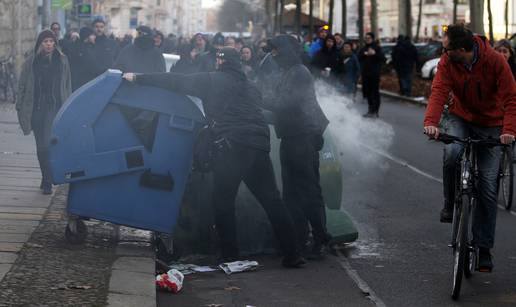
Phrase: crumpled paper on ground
pixel 238 266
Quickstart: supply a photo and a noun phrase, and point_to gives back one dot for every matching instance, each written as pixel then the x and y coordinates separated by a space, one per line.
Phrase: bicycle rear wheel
pixel 460 246
pixel 507 179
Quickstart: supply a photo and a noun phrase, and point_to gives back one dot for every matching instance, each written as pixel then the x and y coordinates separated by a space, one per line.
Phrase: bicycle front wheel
pixel 507 179
pixel 460 246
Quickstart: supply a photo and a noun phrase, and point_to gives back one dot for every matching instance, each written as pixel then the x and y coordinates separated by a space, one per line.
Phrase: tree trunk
pixel 360 21
pixel 311 20
pixel 476 8
pixel 506 19
pixel 405 17
pixel 419 15
pixel 455 3
pixel 298 17
pixel 490 16
pixel 282 6
pixel 330 19
pixel 374 17
pixel 344 18
pixel 409 18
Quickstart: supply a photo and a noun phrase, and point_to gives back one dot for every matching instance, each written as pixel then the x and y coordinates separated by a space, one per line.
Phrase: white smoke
pixel 351 133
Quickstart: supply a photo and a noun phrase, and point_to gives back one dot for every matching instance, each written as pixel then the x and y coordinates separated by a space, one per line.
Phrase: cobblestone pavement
pixel 50 272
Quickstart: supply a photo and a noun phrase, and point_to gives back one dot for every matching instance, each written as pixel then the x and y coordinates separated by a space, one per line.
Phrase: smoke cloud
pixel 352 134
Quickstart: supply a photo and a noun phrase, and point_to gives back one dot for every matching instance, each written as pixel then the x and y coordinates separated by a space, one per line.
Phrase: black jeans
pixel 405 81
pixel 237 163
pixel 301 189
pixel 371 89
pixel 42 128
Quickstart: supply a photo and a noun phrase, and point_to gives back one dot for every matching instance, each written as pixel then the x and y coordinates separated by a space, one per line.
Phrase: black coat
pixel 228 98
pixel 371 64
pixel 404 57
pixel 84 65
pixel 295 103
pixel 106 51
pixel 325 58
pixel 136 59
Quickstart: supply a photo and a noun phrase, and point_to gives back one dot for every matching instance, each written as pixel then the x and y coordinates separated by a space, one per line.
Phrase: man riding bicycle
pixel 483 106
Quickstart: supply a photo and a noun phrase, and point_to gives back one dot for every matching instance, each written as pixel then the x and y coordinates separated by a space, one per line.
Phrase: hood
pixel 288 50
pixel 42 36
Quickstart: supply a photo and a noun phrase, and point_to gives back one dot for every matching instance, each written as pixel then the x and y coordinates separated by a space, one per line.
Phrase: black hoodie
pixel 228 98
pixel 295 103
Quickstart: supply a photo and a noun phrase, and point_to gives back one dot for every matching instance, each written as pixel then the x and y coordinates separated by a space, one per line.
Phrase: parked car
pixel 429 69
pixel 428 51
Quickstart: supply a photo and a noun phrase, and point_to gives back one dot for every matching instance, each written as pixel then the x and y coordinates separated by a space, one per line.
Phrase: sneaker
pixel 294 262
pixel 485 261
pixel 446 215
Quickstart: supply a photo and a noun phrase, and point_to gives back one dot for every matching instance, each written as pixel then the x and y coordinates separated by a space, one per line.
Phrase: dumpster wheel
pixel 76 231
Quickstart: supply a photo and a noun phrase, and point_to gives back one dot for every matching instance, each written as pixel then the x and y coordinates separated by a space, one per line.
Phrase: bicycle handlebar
pixel 448 139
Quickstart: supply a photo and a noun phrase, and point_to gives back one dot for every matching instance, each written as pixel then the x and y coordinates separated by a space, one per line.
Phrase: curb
pixel 421 101
pixel 132 281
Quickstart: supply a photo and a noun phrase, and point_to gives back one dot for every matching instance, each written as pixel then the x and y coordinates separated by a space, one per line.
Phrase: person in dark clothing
pixel 348 69
pixel 300 123
pixel 325 61
pixel 504 47
pixel 127 40
pixel 207 60
pixel 186 63
pixel 83 63
pixel 371 60
pixel 233 103
pixel 249 64
pixel 106 49
pixel 404 58
pixel 142 56
pixel 163 44
pixel 44 86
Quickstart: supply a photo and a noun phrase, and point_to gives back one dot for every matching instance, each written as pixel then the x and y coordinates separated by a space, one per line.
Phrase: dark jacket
pixel 371 64
pixel 228 98
pixel 206 61
pixel 134 58
pixel 83 63
pixel 404 57
pixel 106 51
pixel 348 72
pixel 26 101
pixel 295 103
pixel 325 58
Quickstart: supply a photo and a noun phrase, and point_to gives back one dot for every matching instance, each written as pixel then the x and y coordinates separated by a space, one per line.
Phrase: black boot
pixel 447 213
pixel 485 261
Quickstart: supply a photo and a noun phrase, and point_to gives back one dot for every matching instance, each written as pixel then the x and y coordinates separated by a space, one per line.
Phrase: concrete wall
pixel 18 28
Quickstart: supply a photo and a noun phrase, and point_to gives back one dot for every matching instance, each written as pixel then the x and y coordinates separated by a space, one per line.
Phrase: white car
pixel 170 60
pixel 429 70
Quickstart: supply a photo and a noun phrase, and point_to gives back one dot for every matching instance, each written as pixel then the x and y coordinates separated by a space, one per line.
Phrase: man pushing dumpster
pixel 232 105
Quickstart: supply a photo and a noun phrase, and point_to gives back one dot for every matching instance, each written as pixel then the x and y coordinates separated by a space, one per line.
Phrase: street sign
pixel 62 4
pixel 84 10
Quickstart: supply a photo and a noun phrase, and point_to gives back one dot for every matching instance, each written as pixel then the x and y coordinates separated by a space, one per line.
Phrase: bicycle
pixel 8 79
pixel 464 253
pixel 506 177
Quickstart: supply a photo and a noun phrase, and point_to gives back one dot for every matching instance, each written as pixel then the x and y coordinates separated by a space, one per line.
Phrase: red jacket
pixel 485 96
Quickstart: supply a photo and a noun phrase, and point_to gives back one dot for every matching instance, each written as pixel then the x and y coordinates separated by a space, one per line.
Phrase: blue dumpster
pixel 126 151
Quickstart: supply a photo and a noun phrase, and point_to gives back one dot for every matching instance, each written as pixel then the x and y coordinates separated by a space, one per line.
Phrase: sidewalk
pixel 114 267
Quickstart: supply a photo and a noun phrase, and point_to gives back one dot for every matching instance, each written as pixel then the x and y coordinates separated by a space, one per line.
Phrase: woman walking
pixel 45 83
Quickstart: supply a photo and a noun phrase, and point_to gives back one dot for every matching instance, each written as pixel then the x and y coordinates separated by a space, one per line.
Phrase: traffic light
pixel 84 10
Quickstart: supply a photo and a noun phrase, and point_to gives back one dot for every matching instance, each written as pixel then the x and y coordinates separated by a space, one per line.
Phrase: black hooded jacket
pixel 141 57
pixel 295 103
pixel 371 64
pixel 106 51
pixel 228 98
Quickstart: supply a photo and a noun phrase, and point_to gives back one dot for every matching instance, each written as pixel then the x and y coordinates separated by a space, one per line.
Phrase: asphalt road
pixel 392 190
pixel 402 252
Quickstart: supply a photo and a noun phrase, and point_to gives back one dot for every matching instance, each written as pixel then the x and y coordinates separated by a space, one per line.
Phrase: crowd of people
pixel 236 81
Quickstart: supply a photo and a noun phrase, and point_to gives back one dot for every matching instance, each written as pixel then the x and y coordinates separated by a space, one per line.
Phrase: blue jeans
pixel 405 80
pixel 488 160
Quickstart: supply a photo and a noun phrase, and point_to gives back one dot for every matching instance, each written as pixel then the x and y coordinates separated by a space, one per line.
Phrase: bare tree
pixel 298 17
pixel 344 17
pixel 476 8
pixel 330 19
pixel 419 15
pixel 405 17
pixel 455 4
pixel 281 9
pixel 374 17
pixel 506 18
pixel 311 20
pixel 360 21
pixel 490 16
